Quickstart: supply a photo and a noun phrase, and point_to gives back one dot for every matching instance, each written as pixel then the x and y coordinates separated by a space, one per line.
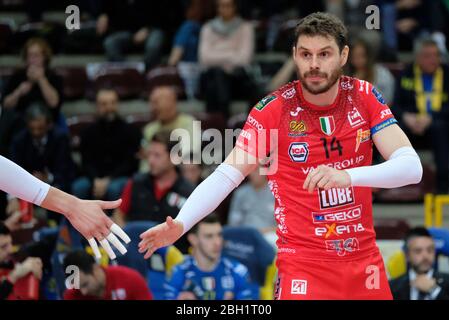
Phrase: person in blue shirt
pixel 205 274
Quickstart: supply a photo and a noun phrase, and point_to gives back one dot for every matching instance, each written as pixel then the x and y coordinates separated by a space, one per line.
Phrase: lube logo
pixel 335 197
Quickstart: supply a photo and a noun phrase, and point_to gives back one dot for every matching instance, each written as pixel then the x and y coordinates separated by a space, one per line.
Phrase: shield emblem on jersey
pixel 327 125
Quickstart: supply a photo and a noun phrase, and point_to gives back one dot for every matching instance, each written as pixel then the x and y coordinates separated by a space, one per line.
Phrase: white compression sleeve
pixel 19 183
pixel 402 168
pixel 209 194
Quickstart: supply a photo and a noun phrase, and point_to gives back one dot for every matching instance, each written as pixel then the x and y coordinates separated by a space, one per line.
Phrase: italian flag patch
pixel 327 125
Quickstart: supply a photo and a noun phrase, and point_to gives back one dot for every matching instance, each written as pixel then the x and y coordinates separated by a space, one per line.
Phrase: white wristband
pixel 19 183
pixel 209 194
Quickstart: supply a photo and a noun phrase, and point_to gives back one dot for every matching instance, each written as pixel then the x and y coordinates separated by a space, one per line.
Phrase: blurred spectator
pixel 184 53
pixel 43 149
pixel 205 274
pixel 192 171
pixel 252 205
pixel 422 281
pixel 109 150
pixel 226 50
pixel 36 82
pixel 421 106
pixel 163 104
pixel 413 19
pixel 11 272
pixel 104 283
pixel 135 23
pixel 362 65
pixel 155 195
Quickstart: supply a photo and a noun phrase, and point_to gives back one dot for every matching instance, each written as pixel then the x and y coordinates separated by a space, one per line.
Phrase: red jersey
pixel 326 225
pixel 122 283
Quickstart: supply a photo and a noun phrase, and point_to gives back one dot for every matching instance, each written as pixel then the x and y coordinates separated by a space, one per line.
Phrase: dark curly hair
pixel 322 24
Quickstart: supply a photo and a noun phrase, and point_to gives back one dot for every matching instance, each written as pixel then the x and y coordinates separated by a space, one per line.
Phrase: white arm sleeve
pixel 19 183
pixel 209 194
pixel 402 168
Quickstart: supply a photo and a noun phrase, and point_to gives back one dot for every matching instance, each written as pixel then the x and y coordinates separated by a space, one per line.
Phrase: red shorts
pixel 361 279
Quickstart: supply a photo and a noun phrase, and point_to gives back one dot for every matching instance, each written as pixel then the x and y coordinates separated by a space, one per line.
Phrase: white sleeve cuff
pixel 17 182
pixel 209 194
pixel 402 168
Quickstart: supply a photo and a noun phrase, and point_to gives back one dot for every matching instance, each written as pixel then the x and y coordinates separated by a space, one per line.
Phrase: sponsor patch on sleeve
pixel 378 95
pixel 265 102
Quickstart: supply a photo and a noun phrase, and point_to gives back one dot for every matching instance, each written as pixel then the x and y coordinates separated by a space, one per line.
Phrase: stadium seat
pixel 410 193
pixel 396 265
pixel 157 267
pixel 211 120
pixel 164 76
pixel 390 228
pixel 74 81
pixel 128 82
pixel 5 36
pixel 249 247
pixel 5 74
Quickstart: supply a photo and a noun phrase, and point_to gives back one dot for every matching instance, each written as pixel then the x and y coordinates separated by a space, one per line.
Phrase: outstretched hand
pixel 159 236
pixel 90 220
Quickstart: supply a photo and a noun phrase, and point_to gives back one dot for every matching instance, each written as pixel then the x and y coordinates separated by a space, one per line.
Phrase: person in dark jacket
pixel 421 105
pixel 109 150
pixel 158 194
pixel 422 281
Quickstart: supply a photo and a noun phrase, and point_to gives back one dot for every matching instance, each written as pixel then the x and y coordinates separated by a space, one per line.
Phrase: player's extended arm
pixel 401 168
pixel 204 199
pixel 86 216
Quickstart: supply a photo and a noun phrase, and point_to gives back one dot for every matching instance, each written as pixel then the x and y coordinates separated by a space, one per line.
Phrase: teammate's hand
pixel 159 236
pixel 89 219
pixel 325 177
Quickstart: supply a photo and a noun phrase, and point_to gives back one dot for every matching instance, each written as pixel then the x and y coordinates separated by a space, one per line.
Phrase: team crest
pixel 327 125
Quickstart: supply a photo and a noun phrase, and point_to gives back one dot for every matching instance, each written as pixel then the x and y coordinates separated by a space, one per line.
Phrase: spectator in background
pixel 155 195
pixel 44 151
pixel 252 205
pixel 11 272
pixel 226 50
pixel 138 23
pixel 205 274
pixel 104 283
pixel 109 150
pixel 36 82
pixel 184 53
pixel 422 281
pixel 163 104
pixel 192 171
pixel 362 65
pixel 421 106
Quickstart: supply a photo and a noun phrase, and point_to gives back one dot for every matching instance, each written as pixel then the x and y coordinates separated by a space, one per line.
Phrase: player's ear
pixel 344 55
pixel 191 237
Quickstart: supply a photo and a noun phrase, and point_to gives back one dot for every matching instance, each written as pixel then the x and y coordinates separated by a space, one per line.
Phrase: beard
pixel 109 117
pixel 331 80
